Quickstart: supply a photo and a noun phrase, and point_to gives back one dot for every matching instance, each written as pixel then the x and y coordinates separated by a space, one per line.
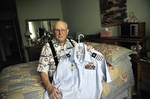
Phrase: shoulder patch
pixel 96 56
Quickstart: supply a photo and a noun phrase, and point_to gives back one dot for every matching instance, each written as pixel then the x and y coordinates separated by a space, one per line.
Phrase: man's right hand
pixel 54 93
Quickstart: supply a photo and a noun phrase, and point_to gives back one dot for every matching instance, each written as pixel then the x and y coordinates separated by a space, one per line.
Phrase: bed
pixel 22 81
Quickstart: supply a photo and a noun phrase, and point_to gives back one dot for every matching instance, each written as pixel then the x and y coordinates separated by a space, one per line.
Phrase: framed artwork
pixel 113 12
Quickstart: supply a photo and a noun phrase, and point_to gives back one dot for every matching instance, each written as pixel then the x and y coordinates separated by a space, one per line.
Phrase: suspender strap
pixel 71 42
pixel 55 56
pixel 54 53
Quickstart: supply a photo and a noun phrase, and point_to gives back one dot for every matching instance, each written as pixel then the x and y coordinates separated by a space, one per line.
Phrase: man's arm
pixel 43 68
pixel 45 80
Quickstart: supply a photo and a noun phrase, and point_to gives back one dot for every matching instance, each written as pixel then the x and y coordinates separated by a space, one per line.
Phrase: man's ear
pixel 67 31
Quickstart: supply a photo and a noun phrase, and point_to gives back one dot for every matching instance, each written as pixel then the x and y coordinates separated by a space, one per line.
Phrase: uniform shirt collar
pixel 87 55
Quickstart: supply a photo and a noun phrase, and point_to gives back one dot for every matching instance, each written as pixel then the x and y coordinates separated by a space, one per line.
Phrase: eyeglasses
pixel 60 30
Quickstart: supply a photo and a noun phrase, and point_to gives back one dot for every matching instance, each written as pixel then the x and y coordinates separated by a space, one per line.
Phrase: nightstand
pixel 33 53
pixel 143 75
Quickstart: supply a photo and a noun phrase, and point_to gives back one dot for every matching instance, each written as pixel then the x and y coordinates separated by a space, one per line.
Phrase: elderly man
pixel 50 55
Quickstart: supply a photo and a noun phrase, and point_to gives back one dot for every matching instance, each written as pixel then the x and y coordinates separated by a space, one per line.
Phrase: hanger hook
pixel 79 37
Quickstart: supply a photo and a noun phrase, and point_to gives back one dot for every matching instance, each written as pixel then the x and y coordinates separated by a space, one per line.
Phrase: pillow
pixel 112 53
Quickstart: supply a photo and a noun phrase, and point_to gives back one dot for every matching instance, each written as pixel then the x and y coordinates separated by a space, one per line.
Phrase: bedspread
pixel 22 81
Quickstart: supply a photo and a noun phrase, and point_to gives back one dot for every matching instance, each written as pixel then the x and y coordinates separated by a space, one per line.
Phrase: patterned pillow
pixel 112 53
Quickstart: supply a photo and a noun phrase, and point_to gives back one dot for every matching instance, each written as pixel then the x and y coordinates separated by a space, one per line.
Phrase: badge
pixel 90 66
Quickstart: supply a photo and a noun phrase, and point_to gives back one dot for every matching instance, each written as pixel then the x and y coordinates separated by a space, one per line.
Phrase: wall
pixel 36 9
pixel 141 9
pixel 83 16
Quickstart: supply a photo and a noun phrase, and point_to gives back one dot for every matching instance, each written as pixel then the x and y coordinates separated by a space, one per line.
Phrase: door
pixel 11 50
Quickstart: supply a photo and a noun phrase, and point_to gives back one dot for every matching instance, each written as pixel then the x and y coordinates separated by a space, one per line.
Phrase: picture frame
pixel 113 12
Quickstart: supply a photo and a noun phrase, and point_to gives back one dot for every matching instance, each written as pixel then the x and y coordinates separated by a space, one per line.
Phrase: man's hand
pixel 54 93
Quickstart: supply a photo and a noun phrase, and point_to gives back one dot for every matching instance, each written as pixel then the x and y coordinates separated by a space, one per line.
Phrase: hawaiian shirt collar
pixel 67 44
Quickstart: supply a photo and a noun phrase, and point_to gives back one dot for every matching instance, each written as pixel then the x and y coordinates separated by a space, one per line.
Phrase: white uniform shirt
pixel 46 60
pixel 81 79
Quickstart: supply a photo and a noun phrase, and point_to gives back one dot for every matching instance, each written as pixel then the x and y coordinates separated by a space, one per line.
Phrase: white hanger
pixel 79 37
pixel 80 48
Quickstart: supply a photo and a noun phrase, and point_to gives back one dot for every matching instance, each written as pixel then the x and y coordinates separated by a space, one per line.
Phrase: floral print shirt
pixel 46 60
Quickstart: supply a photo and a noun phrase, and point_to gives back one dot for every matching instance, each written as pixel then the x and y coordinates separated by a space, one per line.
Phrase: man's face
pixel 61 32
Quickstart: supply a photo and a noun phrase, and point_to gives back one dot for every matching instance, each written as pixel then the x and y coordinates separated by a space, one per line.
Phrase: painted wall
pixel 83 16
pixel 141 11
pixel 36 9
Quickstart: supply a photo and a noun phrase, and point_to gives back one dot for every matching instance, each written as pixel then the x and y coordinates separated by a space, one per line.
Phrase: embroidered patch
pixel 98 57
pixel 90 66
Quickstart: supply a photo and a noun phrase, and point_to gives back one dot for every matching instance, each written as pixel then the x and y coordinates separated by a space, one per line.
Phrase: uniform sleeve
pixel 105 71
pixel 59 73
pixel 103 67
pixel 46 59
